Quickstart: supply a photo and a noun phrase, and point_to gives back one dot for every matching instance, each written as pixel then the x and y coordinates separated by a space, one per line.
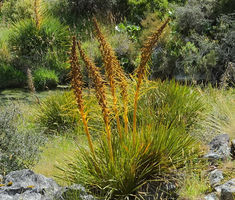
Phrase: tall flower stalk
pixel 100 94
pixel 77 85
pixel 36 13
pixel 115 74
pixel 146 52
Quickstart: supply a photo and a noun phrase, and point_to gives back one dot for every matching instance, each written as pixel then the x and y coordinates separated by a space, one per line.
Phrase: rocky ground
pixel 26 185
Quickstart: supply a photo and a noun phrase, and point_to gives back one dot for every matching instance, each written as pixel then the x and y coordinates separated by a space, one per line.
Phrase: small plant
pixel 19 149
pixel 45 79
pixel 194 186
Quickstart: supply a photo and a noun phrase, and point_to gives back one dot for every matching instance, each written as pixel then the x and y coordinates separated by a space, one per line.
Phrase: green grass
pixel 194 187
pixel 45 79
pixel 57 150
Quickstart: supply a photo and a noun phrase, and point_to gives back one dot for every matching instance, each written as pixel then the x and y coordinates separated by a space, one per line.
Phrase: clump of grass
pixel 168 101
pixel 57 113
pixel 221 111
pixel 194 187
pixel 156 152
pixel 119 164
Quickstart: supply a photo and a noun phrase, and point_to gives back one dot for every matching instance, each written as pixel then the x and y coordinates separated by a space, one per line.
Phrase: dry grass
pixel 115 75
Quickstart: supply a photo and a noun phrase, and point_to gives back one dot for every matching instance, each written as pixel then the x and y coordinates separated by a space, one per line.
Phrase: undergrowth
pixel 19 148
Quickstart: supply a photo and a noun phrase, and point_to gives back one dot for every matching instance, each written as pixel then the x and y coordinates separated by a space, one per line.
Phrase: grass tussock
pixel 123 160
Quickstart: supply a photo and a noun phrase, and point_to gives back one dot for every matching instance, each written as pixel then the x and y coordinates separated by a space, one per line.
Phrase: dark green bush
pixel 14 10
pixel 31 45
pixel 11 77
pixel 199 47
pixel 45 79
pixel 19 149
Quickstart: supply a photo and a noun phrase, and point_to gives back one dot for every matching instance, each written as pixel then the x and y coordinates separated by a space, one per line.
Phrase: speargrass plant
pixel 119 165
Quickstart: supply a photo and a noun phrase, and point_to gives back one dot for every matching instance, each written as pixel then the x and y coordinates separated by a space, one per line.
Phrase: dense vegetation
pixel 152 81
pixel 198 45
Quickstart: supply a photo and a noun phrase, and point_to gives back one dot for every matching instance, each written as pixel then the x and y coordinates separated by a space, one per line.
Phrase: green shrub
pixel 14 10
pixel 19 149
pixel 31 45
pixel 139 8
pixel 11 77
pixel 198 48
pixel 45 79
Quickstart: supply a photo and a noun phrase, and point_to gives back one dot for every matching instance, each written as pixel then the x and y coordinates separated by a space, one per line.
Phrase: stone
pixel 233 149
pixel 211 196
pixel 219 148
pixel 227 194
pixel 227 190
pixel 26 185
pixel 215 177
